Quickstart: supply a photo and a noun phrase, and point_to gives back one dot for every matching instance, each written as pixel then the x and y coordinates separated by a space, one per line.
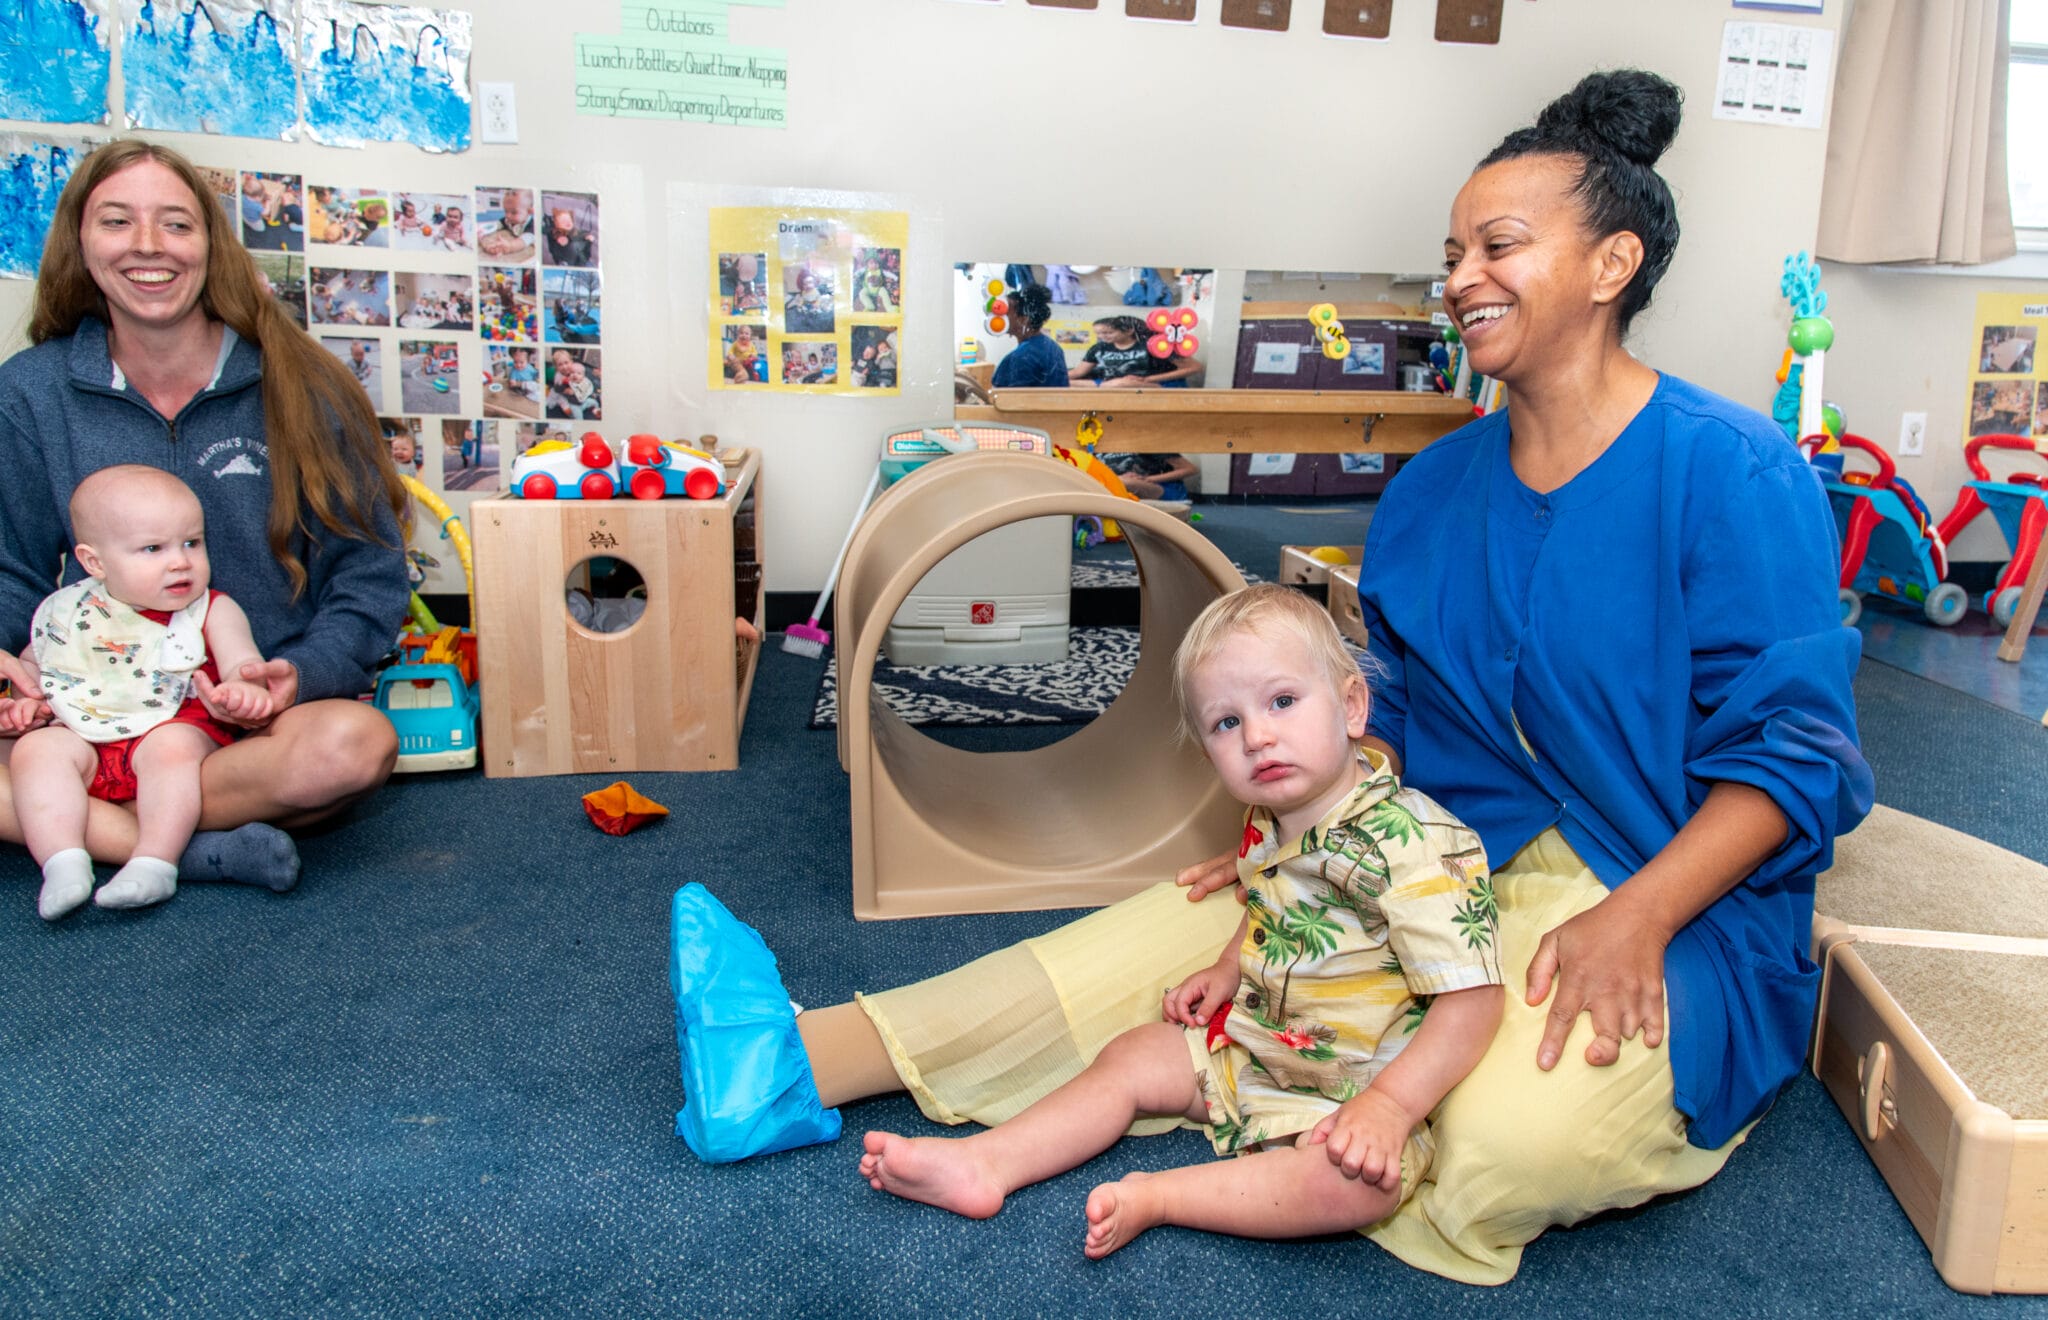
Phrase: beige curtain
pixel 1916 152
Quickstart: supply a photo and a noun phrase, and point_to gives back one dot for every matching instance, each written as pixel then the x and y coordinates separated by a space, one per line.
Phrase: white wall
pixel 1905 342
pixel 1008 129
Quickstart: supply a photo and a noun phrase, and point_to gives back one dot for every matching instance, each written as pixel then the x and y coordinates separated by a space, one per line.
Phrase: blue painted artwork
pixel 385 73
pixel 212 66
pixel 32 172
pixel 53 62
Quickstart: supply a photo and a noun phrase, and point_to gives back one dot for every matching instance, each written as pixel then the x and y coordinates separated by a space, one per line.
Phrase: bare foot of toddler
pixel 935 1170
pixel 1117 1213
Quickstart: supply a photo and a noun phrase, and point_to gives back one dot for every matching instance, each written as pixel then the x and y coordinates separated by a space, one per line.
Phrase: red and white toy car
pixel 651 469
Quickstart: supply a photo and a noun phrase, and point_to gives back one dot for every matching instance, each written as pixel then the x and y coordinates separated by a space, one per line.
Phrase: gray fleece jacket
pixel 65 413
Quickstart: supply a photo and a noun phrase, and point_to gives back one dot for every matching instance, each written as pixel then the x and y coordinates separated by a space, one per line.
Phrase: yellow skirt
pixel 1517 1149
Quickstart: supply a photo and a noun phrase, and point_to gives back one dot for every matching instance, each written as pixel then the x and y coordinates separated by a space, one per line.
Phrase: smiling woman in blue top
pixel 157 343
pixel 1608 621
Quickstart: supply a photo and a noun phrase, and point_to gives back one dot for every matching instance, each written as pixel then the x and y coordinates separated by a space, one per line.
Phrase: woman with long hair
pixel 155 341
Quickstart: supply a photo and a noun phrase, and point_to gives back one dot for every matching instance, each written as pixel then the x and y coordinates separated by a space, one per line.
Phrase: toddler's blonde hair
pixel 1270 610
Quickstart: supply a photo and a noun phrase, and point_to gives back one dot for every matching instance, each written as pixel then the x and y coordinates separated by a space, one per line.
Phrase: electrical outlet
pixel 500 113
pixel 1912 434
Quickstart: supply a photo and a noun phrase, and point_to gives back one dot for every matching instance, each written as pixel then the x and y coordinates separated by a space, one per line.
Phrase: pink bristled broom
pixel 808 638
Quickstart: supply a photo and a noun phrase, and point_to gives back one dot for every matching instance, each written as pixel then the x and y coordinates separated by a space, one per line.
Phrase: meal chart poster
pixel 806 301
pixel 2008 385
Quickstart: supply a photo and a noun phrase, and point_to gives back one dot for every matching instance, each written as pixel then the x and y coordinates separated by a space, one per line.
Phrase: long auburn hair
pixel 320 427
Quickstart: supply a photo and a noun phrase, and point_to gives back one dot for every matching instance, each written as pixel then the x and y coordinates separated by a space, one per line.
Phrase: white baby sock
pixel 67 882
pixel 143 881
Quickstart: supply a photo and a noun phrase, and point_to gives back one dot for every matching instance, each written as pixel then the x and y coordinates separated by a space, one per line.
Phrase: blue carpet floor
pixel 439 1079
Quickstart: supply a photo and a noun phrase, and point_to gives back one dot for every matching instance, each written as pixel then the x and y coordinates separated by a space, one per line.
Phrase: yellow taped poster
pixel 2008 386
pixel 806 300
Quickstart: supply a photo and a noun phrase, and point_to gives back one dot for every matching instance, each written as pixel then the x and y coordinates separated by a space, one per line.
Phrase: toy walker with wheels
pixel 2018 503
pixel 1889 545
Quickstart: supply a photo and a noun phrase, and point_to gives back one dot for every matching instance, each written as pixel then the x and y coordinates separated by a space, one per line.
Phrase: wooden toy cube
pixel 668 693
pixel 1931 1039
pixel 1343 604
pixel 1298 568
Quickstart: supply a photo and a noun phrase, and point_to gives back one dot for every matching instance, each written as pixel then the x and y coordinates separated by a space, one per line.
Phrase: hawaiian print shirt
pixel 1385 902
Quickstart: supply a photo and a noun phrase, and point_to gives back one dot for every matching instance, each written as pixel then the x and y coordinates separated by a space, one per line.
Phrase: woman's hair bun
pixel 1629 111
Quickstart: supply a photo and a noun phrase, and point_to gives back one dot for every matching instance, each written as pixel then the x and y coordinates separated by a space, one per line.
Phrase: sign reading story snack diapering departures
pixel 806 301
pixel 675 59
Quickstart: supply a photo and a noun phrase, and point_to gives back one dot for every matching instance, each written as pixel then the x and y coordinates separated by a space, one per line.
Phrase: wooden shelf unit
pixel 668 693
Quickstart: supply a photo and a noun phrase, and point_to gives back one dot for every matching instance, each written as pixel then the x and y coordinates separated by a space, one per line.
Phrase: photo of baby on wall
pixel 742 282
pixel 807 305
pixel 2041 410
pixel 348 217
pixel 403 435
pixel 810 364
pixel 507 308
pixel 514 386
pixel 433 302
pixel 568 229
pixel 877 279
pixel 469 455
pixel 575 381
pixel 273 213
pixel 571 306
pixel 746 349
pixel 429 376
pixel 365 360
pixel 874 357
pixel 504 225
pixel 430 222
pixel 340 296
pixel 811 252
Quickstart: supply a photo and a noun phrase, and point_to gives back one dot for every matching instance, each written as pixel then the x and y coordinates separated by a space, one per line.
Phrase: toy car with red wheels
pixel 655 468
pixel 650 469
pixel 558 470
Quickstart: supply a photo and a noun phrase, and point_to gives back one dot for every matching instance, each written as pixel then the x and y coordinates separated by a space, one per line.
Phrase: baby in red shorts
pixel 125 658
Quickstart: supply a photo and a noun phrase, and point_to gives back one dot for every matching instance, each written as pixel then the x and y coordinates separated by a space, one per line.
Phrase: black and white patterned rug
pixel 1096 574
pixel 1070 691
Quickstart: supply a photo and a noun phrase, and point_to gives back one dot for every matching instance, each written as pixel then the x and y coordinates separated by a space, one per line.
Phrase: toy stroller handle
pixel 1977 468
pixel 1886 469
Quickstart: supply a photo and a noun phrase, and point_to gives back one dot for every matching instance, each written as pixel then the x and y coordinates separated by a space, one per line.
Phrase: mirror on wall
pixel 1387 321
pixel 1114 327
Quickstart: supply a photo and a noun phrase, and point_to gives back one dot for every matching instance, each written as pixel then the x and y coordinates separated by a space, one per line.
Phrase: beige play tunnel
pixel 1093 818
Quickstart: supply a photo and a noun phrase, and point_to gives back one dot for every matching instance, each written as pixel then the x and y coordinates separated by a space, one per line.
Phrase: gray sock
pixel 255 854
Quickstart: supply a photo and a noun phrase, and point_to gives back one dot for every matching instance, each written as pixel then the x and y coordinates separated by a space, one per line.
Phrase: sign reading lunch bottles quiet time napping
pixel 676 61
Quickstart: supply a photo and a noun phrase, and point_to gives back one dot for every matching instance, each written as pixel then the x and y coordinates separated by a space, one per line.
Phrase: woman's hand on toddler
pixel 1365 1138
pixel 1205 878
pixel 276 680
pixel 20 714
pixel 1194 1001
pixel 243 702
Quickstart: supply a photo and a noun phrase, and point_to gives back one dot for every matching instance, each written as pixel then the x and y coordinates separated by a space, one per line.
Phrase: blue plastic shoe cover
pixel 746 1079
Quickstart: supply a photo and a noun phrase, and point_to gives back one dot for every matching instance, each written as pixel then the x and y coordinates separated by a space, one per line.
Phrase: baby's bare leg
pixel 166 808
pixel 51 768
pixel 1143 1071
pixel 55 766
pixel 1288 1193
